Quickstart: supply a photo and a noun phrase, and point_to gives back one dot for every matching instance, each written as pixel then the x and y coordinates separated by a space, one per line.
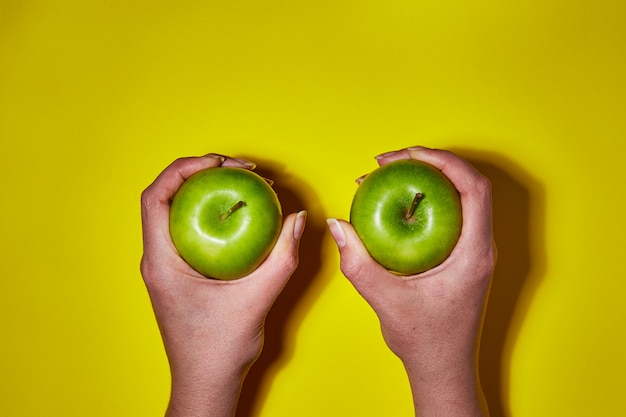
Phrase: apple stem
pixel 411 211
pixel 232 210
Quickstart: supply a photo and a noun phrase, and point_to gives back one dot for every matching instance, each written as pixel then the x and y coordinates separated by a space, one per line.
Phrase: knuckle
pixel 487 262
pixel 179 161
pixel 147 201
pixel 281 262
pixel 483 185
pixel 146 196
pixel 492 257
pixel 144 267
pixel 351 268
pixel 290 263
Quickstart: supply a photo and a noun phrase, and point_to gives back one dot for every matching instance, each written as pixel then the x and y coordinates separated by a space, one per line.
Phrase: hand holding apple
pixel 432 320
pixel 212 329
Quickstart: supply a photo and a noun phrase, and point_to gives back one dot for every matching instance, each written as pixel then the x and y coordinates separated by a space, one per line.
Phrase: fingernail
pixel 298 228
pixel 222 158
pixel 336 230
pixel 417 148
pixel 360 179
pixel 269 181
pixel 248 164
pixel 385 155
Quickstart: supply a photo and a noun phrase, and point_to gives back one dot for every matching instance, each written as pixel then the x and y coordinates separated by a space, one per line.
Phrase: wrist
pixel 209 387
pixel 205 391
pixel 449 390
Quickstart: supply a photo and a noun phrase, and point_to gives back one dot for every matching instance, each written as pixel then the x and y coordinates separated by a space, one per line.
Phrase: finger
pixel 476 203
pixel 229 161
pixel 272 275
pixel 155 200
pixel 391 156
pixel 360 179
pixel 464 176
pixel 366 275
pixel 387 157
pixel 459 171
pixel 238 163
pixel 474 190
pixel 473 187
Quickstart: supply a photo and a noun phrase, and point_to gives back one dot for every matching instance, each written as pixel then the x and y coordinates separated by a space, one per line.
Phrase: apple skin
pixel 379 207
pixel 225 248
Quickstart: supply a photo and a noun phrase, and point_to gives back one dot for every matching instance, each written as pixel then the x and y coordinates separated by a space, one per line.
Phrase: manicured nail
pixel 298 227
pixel 360 179
pixel 385 155
pixel 222 158
pixel 248 164
pixel 336 230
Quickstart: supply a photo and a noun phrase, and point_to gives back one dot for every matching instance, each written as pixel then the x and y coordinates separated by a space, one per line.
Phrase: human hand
pixel 212 330
pixel 432 321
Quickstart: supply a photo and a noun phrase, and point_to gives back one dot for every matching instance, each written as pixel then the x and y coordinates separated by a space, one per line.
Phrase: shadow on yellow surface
pixel 294 195
pixel 519 211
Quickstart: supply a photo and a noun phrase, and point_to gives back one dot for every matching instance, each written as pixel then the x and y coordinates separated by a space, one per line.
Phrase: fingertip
pixel 356 264
pixel 417 148
pixel 239 163
pixel 229 161
pixel 216 156
pixel 388 157
pixel 385 155
pixel 299 224
pixel 439 158
pixel 337 232
pixel 360 179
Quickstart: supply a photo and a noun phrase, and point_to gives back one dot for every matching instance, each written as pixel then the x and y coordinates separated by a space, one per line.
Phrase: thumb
pixel 365 274
pixel 272 275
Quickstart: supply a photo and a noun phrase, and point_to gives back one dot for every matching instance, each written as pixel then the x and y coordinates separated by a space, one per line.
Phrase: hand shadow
pixel 294 195
pixel 518 222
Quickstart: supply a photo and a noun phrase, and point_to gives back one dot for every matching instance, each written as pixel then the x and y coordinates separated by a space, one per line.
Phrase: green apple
pixel 408 215
pixel 224 221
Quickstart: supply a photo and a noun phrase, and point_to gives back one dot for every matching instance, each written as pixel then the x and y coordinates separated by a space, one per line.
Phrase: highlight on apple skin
pixel 224 221
pixel 408 215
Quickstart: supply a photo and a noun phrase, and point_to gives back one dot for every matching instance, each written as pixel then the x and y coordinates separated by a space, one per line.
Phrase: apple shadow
pixel 518 222
pixel 294 195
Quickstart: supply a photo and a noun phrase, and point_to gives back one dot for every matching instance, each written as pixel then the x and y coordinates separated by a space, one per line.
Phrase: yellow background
pixel 97 97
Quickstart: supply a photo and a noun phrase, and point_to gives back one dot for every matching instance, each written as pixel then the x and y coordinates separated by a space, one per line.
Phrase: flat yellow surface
pixel 97 97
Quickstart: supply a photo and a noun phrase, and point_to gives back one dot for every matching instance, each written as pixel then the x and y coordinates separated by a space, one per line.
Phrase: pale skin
pixel 432 321
pixel 213 330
